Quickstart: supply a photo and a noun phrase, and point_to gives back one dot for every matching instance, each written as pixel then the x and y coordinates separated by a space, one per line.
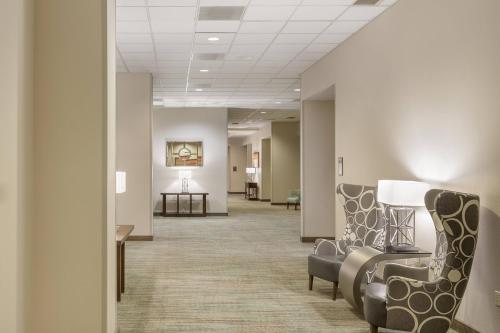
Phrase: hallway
pixel 242 273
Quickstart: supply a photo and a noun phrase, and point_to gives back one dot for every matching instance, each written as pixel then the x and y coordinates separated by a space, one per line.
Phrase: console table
pixel 358 262
pixel 178 213
pixel 252 191
pixel 122 233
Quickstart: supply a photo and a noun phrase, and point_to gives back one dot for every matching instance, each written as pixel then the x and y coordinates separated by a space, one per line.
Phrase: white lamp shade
pixel 251 170
pixel 185 174
pixel 402 193
pixel 121 181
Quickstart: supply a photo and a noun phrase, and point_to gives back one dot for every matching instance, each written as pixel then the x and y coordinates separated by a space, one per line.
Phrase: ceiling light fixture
pixel 199 89
pixel 203 70
pixel 213 39
pixel 296 89
pixel 277 102
pixel 263 112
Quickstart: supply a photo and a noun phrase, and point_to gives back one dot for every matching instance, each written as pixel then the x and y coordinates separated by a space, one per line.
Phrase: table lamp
pixel 185 176
pixel 251 172
pixel 402 197
pixel 121 182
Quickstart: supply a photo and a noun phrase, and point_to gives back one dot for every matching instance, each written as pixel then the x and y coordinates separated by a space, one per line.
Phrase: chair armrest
pixel 415 273
pixel 326 247
pixel 351 248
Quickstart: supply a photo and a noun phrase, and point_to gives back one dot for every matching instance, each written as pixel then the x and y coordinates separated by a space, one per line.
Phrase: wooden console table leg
pixel 204 205
pixel 118 273
pixel 178 212
pixel 164 206
pixel 122 266
pixel 190 204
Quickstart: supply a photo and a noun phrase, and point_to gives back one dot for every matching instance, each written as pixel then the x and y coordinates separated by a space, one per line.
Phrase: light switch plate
pixel 497 298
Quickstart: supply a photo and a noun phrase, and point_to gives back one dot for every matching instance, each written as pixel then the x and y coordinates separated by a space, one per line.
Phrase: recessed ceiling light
pixel 296 89
pixel 277 102
pixel 199 89
pixel 263 112
pixel 213 39
pixel 203 70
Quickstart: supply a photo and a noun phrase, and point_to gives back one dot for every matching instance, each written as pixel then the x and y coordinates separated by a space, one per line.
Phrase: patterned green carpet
pixel 242 273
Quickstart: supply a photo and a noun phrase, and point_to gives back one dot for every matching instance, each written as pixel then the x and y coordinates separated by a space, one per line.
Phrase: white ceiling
pixel 257 60
pixel 243 122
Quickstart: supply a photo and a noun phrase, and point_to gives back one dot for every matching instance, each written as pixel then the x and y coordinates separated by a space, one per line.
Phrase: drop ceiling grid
pixel 146 43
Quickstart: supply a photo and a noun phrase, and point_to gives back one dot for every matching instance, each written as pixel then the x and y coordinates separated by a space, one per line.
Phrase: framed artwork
pixel 255 159
pixel 184 153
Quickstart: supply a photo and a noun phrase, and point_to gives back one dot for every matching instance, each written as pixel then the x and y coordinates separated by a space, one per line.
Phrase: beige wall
pixel 255 141
pixel 318 177
pixel 134 150
pixel 16 156
pixel 69 236
pixel 265 166
pixel 237 158
pixel 192 124
pixel 417 97
pixel 285 159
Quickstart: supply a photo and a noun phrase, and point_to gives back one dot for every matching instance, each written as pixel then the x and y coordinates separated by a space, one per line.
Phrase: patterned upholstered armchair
pixel 427 299
pixel 362 229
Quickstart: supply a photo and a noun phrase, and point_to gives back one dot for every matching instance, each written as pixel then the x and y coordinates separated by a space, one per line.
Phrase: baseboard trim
pixel 140 238
pixel 313 239
pixel 460 327
pixel 235 192
pixel 278 203
pixel 265 200
pixel 159 214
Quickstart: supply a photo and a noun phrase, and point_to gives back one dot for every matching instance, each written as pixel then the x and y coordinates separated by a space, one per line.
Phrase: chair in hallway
pixel 293 199
pixel 363 228
pixel 427 299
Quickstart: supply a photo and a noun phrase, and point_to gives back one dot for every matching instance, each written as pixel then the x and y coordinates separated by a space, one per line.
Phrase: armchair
pixel 293 198
pixel 363 228
pixel 427 299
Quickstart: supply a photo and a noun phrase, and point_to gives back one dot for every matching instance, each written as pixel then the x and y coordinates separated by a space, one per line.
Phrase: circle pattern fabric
pixel 426 307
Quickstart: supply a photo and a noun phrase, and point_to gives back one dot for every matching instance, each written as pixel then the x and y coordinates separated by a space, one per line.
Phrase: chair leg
pixel 373 328
pixel 295 206
pixel 335 287
pixel 311 279
pixel 287 205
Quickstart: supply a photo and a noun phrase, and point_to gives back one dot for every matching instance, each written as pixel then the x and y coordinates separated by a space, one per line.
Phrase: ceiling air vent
pixel 366 2
pixel 209 56
pixel 221 13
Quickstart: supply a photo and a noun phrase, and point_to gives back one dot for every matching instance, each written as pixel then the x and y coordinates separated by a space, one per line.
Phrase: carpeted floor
pixel 242 273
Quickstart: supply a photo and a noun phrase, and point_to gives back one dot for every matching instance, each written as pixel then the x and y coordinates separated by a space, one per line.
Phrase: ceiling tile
pixel 175 14
pixel 331 38
pixel 224 2
pixel 361 13
pixel 253 38
pixel 130 2
pixel 138 56
pixel 294 38
pixel 275 2
pixel 135 47
pixel 202 48
pixel 131 14
pixel 349 27
pixel 261 27
pixel 173 48
pixel 217 26
pixel 174 38
pixel 132 27
pixel 172 2
pixel 133 38
pixel 318 13
pixel 305 27
pixel 328 2
pixel 172 27
pixel 268 13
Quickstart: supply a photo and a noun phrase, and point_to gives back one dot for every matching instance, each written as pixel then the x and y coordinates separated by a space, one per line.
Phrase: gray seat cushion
pixel 375 309
pixel 325 267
